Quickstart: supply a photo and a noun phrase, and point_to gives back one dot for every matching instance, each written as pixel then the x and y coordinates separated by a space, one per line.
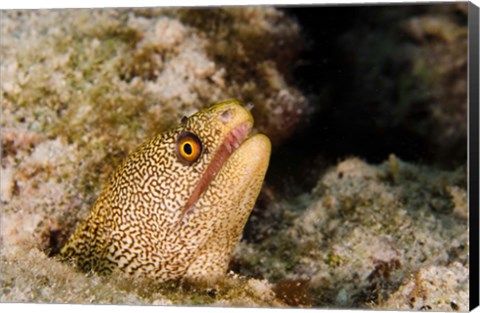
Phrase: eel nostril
pixel 226 115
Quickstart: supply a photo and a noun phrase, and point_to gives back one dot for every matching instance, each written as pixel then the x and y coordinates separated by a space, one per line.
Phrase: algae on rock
pixel 361 235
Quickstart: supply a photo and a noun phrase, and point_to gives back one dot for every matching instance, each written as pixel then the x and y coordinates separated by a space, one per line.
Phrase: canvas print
pixel 250 156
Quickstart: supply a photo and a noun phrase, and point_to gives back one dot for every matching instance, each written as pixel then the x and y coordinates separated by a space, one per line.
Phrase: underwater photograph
pixel 301 156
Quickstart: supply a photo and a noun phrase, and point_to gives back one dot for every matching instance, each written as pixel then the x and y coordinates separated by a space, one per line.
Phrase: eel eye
pixel 189 148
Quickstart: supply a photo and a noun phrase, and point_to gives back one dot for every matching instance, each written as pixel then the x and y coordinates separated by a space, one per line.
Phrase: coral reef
pixel 82 88
pixel 361 233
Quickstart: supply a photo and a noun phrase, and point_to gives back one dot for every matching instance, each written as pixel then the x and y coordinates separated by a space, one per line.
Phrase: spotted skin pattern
pixel 145 222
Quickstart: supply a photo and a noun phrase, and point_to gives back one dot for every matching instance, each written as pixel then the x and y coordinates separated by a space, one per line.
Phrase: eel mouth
pixel 232 141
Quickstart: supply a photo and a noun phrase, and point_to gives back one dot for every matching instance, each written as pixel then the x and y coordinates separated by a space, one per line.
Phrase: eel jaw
pixel 227 202
pixel 232 141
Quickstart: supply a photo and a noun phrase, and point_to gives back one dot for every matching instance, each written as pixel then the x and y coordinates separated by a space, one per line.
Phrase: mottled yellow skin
pixel 139 223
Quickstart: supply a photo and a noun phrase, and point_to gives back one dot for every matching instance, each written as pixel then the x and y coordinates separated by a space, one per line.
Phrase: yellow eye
pixel 188 148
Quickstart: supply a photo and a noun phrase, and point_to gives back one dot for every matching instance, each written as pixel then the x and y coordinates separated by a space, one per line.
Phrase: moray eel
pixel 175 208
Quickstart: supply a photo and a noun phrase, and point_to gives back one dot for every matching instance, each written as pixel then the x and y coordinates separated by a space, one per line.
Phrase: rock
pixel 361 235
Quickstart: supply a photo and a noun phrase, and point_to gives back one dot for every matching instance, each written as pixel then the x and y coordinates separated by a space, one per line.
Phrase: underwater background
pixel 364 204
